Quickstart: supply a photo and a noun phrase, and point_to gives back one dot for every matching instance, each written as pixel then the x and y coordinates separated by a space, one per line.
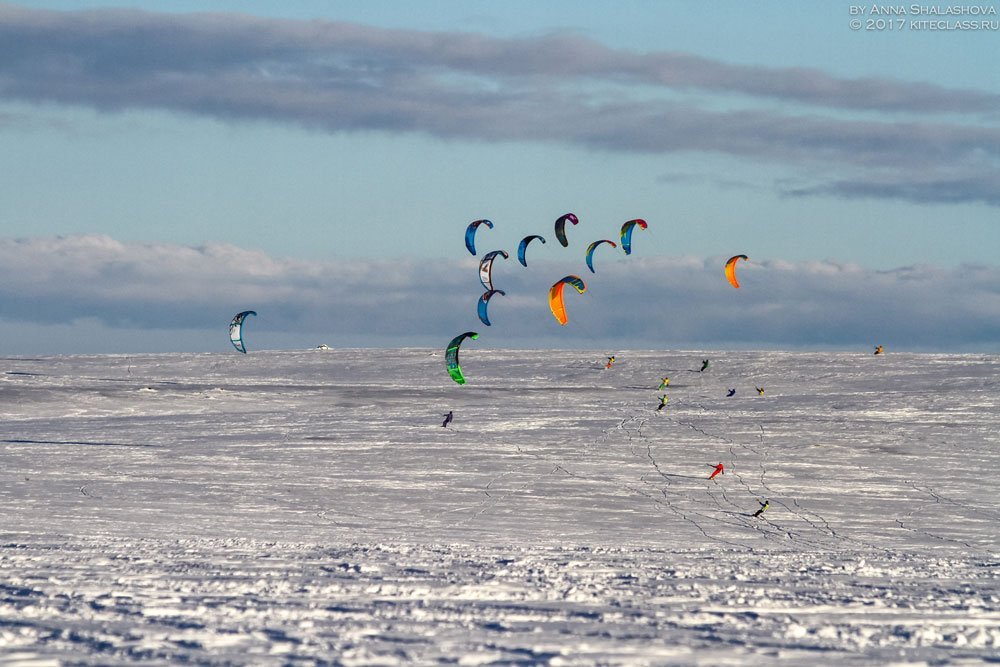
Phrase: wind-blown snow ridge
pixel 308 508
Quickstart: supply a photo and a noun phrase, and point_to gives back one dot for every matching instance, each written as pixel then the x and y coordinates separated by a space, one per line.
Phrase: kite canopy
pixel 626 235
pixel 556 296
pixel 451 356
pixel 523 246
pixel 731 269
pixel 484 301
pixel 486 267
pixel 236 330
pixel 561 227
pixel 590 252
pixel 470 234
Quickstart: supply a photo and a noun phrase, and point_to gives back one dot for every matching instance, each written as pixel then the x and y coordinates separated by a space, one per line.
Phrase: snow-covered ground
pixel 305 507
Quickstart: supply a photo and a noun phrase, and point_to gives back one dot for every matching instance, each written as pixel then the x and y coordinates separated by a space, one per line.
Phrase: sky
pixel 164 165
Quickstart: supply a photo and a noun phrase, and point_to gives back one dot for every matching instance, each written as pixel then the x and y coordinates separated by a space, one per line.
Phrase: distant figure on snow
pixel 611 362
pixel 731 392
pixel 719 470
pixel 663 402
pixel 447 418
pixel 763 507
pixel 704 365
pixel 664 382
pixel 878 349
pixel 760 390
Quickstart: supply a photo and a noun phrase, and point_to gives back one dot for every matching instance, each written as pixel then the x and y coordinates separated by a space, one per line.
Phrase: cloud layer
pixel 862 137
pixel 630 302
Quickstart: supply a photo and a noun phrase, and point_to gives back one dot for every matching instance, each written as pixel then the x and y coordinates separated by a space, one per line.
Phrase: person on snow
pixel 663 402
pixel 704 365
pixel 664 382
pixel 447 418
pixel 732 392
pixel 718 470
pixel 760 390
pixel 763 507
pixel 611 362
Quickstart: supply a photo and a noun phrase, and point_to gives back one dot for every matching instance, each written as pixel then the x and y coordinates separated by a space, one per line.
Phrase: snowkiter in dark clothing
pixel 763 507
pixel 447 418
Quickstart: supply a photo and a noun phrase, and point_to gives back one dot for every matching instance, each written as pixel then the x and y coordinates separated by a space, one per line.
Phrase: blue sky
pixel 334 139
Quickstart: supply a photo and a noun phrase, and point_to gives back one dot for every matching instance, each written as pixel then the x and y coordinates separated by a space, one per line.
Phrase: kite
pixel 451 356
pixel 731 269
pixel 236 330
pixel 484 301
pixel 523 246
pixel 590 252
pixel 626 236
pixel 486 267
pixel 561 227
pixel 470 234
pixel 556 296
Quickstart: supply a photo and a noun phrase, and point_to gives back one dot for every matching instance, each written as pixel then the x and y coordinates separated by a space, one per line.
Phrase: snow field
pixel 308 508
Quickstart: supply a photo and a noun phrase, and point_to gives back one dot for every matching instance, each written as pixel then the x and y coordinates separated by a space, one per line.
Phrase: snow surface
pixel 307 507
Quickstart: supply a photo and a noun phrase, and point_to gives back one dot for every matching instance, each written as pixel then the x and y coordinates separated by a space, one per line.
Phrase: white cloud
pixel 631 302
